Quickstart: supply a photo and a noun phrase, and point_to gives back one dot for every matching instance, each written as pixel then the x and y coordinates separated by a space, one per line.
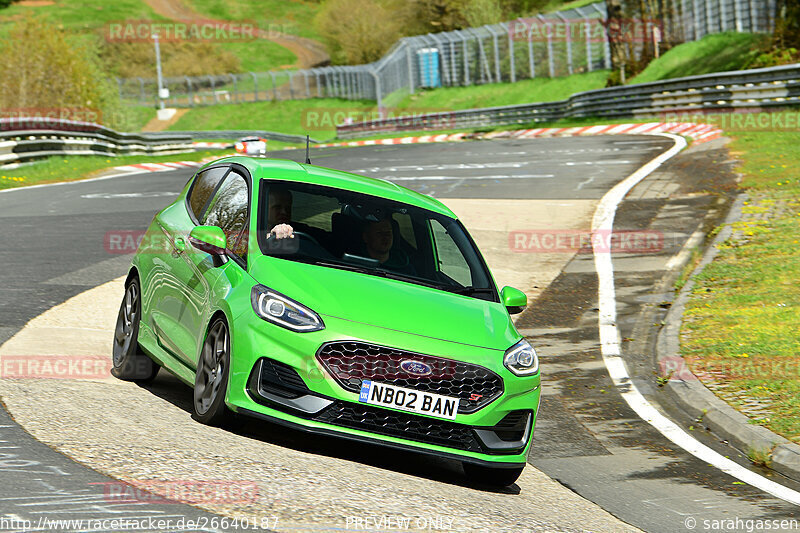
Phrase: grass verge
pixel 318 116
pixel 714 53
pixel 57 169
pixel 741 323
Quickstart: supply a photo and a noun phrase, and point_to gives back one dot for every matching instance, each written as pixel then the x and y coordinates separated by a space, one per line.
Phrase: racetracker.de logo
pixel 181 491
pixel 180 31
pixel 55 366
pixel 578 241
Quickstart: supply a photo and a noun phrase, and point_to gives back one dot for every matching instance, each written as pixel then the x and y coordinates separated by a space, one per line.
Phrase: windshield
pixel 341 229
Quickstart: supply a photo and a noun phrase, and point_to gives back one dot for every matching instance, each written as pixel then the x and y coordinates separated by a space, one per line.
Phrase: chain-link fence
pixel 553 45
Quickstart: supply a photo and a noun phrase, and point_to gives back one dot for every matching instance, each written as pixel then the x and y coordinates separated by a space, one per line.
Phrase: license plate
pixel 413 401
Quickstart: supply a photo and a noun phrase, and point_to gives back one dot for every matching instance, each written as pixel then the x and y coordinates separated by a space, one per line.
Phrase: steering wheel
pixel 307 236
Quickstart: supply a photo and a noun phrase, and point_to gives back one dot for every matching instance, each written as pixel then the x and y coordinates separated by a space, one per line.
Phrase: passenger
pixel 378 240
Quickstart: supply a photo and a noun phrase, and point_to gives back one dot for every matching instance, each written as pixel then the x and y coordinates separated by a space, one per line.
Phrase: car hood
pixel 389 303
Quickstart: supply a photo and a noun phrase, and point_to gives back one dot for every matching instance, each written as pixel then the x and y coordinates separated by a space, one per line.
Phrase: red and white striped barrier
pixel 699 133
pixel 159 167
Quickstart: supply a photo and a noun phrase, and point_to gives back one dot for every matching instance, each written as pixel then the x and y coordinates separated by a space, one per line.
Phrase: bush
pixel 357 31
pixel 54 73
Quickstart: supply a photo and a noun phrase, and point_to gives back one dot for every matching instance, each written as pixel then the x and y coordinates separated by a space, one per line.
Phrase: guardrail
pixel 25 139
pixel 724 91
pixel 232 135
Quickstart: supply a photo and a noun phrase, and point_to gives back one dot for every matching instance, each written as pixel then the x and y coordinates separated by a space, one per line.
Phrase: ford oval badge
pixel 417 368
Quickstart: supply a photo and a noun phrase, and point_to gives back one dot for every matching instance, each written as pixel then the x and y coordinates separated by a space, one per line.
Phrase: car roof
pixel 285 169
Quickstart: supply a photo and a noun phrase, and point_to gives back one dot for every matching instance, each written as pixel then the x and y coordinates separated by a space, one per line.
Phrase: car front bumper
pixel 275 376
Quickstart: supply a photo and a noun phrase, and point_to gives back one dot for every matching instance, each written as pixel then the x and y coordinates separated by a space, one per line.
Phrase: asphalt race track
pixel 586 438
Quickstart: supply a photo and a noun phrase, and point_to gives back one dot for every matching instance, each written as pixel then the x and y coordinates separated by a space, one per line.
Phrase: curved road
pixel 586 437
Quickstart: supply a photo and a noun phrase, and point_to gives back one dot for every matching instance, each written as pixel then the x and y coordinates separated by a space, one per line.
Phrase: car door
pixel 177 288
pixel 228 210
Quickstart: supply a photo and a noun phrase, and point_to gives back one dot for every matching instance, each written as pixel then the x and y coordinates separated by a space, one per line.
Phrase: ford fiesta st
pixel 335 304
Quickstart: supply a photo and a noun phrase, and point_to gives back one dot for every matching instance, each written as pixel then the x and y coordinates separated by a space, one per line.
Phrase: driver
pixel 279 213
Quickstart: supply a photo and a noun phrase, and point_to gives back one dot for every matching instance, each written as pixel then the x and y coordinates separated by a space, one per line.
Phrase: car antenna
pixel 308 160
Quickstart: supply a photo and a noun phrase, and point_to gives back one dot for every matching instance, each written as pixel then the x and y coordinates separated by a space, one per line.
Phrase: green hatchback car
pixel 334 304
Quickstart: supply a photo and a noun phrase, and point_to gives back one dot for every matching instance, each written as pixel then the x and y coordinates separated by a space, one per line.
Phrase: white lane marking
pixel 476 178
pixel 584 183
pixel 106 196
pixel 72 182
pixel 602 221
pixel 613 162
pixel 454 166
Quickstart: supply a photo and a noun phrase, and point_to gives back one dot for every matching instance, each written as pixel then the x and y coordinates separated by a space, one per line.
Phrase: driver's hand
pixel 283 231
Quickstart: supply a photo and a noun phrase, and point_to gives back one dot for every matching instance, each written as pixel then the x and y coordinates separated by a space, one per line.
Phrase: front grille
pixel 351 362
pixel 403 425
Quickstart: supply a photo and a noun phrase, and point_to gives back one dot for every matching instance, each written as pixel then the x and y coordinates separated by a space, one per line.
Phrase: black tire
pixel 211 379
pixel 492 477
pixel 129 362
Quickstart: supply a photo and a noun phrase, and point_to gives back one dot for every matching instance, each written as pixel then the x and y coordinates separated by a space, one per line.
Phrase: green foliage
pixel 132 59
pixel 358 31
pixel 713 53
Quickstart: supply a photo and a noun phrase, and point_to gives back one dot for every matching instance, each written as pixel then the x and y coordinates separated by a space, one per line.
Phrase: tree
pixel 53 73
pixel 357 31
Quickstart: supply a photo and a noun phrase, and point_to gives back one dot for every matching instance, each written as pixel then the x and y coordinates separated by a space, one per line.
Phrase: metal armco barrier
pixel 232 135
pixel 725 91
pixel 25 139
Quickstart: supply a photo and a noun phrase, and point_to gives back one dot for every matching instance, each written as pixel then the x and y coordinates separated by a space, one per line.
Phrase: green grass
pixel 744 312
pixel 287 16
pixel 314 117
pixel 713 53
pixel 56 169
pixel 498 94
pixel 318 116
pixel 81 14
pixel 260 55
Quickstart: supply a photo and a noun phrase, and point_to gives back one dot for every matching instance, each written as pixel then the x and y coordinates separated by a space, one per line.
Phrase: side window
pixel 451 261
pixel 229 210
pixel 202 189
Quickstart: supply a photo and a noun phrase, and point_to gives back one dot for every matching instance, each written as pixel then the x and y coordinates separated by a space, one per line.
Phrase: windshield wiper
pixel 381 273
pixel 469 291
pixel 411 279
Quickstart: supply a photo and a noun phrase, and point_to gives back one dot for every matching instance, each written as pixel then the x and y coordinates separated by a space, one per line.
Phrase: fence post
pixel 255 86
pixel 453 66
pixel 709 21
pixel 442 61
pixel 723 16
pixel 606 46
pixel 378 97
pixel 465 57
pixel 410 61
pixel 737 15
pixel 587 36
pixel 531 60
pixel 496 53
pixel 308 88
pixel 753 18
pixel 550 64
pixel 213 81
pixel 513 70
pixel 189 90
pixel 569 40
pixel 274 86
pixel 235 88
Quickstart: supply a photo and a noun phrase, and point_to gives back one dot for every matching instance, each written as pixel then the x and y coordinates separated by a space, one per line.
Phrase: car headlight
pixel 274 307
pixel 521 359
